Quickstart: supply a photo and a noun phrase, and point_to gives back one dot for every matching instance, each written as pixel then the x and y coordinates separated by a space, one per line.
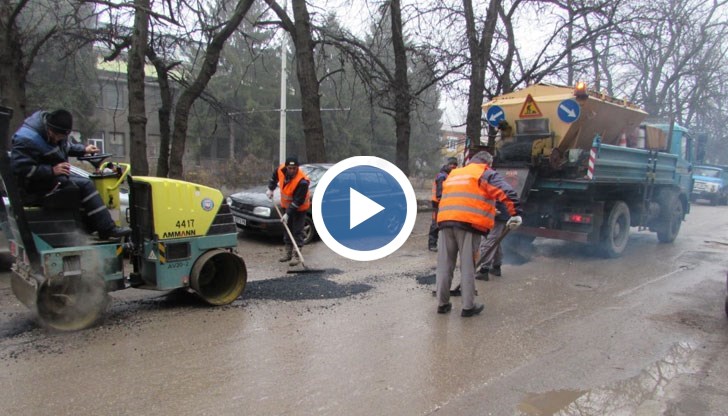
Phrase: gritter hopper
pixel 545 117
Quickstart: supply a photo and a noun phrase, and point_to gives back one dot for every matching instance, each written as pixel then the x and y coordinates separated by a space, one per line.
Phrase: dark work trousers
pixel 495 258
pixel 296 221
pixel 432 238
pixel 96 215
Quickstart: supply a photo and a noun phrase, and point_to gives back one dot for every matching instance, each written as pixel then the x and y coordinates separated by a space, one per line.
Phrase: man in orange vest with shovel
pixel 295 200
pixel 466 213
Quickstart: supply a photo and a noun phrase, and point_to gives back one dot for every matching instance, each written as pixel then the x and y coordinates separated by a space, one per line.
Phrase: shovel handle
pixel 498 240
pixel 290 234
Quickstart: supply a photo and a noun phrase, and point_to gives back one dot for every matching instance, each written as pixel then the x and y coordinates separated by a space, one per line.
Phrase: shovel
pixel 298 251
pixel 498 240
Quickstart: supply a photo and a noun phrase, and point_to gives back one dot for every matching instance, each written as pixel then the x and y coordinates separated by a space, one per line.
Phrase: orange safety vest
pixel 464 200
pixel 287 189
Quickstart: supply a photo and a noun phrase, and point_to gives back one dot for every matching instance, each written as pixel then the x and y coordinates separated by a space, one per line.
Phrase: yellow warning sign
pixel 530 109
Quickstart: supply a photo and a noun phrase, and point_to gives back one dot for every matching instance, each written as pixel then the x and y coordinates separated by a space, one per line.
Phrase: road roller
pixel 183 237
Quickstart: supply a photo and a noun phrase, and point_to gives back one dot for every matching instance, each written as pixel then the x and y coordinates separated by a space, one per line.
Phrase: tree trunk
pixel 479 55
pixel 191 93
pixel 402 99
pixel 135 75
pixel 164 113
pixel 12 72
pixel 313 129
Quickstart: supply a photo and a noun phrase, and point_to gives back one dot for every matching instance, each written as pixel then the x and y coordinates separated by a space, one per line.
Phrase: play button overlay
pixel 361 208
pixel 364 208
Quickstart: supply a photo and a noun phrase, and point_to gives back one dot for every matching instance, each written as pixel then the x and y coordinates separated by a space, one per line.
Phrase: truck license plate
pixel 240 221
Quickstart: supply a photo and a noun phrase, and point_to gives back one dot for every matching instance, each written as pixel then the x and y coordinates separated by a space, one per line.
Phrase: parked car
pixel 253 211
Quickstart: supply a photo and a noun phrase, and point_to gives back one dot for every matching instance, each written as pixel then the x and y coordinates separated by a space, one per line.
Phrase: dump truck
pixel 183 238
pixel 587 167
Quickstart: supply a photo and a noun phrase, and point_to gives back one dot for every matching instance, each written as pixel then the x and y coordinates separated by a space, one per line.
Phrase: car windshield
pixel 710 173
pixel 314 173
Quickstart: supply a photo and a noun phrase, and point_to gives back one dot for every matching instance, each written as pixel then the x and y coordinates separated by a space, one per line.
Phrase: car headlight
pixel 229 201
pixel 261 211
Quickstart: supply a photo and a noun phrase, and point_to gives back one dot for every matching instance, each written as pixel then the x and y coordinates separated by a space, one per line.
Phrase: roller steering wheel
pixel 96 160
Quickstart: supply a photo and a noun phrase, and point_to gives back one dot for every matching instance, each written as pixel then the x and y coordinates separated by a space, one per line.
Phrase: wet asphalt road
pixel 565 332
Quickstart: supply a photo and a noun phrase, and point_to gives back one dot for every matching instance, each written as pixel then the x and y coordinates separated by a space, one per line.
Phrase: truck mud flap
pixel 521 179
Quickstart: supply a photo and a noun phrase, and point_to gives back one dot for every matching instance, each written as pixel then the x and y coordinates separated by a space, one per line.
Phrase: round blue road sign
pixel 364 208
pixel 569 110
pixel 495 115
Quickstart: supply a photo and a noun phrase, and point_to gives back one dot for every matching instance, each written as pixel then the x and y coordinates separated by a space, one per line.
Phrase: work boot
pixel 475 310
pixel 496 271
pixel 482 274
pixel 287 255
pixel 115 232
pixel 294 259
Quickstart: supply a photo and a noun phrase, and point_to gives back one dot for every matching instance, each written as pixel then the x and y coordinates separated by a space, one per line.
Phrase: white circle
pixel 410 217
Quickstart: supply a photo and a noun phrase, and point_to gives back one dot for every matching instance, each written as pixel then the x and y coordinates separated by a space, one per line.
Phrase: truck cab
pixel 710 183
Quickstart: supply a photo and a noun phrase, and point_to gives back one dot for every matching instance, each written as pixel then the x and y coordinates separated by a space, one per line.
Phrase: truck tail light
pixel 578 218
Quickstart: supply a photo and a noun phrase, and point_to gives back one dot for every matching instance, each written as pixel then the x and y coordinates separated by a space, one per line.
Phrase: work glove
pixel 514 222
pixel 284 218
pixel 269 194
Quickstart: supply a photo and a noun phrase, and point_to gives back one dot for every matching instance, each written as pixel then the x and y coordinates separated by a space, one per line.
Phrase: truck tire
pixel 671 216
pixel 615 231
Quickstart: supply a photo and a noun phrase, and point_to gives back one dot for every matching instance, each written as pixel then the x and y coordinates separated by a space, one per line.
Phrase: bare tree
pixel 197 86
pixel 135 75
pixel 163 69
pixel 300 31
pixel 25 29
pixel 666 46
pixel 479 47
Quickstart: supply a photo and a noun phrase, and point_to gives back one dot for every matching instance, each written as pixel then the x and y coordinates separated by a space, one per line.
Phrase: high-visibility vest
pixel 288 188
pixel 464 200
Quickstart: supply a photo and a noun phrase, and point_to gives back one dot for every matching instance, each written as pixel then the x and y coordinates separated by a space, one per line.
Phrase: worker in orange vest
pixel 451 164
pixel 466 213
pixel 295 200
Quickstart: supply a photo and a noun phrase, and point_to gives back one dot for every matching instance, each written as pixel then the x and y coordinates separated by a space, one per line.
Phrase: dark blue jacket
pixel 439 179
pixel 494 178
pixel 32 157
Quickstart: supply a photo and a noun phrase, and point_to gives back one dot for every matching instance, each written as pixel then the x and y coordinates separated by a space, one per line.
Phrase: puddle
pixel 620 398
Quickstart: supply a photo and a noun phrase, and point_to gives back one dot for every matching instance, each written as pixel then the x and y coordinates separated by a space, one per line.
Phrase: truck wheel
pixel 671 216
pixel 71 303
pixel 615 233
pixel 218 277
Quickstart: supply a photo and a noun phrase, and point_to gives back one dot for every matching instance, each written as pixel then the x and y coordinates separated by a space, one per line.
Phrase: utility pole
pixel 282 127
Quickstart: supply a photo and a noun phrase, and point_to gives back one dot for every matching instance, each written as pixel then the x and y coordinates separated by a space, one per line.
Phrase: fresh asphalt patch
pixel 303 287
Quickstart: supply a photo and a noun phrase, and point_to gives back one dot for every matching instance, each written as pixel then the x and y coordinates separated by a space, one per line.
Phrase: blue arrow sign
pixel 569 111
pixel 495 115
